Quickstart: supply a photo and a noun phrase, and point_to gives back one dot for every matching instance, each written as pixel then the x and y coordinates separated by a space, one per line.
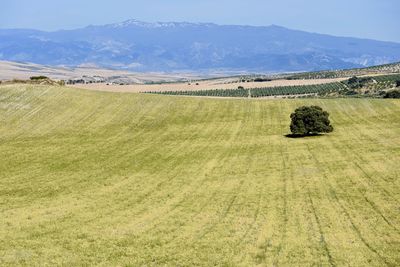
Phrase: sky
pixel 373 19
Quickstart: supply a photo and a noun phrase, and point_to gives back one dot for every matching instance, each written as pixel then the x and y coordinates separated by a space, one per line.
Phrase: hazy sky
pixel 376 19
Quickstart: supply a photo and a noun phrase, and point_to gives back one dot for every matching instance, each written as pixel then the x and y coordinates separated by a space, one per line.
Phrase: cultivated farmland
pixel 117 179
pixel 230 83
pixel 319 89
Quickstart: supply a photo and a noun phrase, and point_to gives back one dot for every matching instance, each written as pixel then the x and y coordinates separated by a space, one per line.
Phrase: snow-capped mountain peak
pixel 138 23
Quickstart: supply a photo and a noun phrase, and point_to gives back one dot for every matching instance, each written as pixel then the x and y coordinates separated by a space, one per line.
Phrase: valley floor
pixel 114 179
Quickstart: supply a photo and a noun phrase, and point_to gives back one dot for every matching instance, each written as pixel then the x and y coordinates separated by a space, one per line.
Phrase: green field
pixel 114 179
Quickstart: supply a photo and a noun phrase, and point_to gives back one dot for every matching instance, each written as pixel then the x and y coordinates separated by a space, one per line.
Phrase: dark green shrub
pixel 357 83
pixel 258 80
pixel 36 78
pixel 392 94
pixel 351 93
pixel 308 120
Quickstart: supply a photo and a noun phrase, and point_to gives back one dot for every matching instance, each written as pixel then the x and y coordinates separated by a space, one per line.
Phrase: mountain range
pixel 181 46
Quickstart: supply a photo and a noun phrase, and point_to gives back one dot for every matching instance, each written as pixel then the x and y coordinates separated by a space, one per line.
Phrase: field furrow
pixel 115 179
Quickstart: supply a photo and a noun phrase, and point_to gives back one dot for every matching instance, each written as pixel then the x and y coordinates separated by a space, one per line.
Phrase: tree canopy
pixel 392 94
pixel 309 120
pixel 35 78
pixel 357 83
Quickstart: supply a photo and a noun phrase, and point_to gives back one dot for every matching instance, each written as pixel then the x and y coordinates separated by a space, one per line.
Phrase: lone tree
pixel 310 120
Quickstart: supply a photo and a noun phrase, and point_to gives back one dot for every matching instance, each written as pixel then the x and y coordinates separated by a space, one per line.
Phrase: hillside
pixel 23 70
pixel 174 46
pixel 114 179
pixel 379 69
pixel 365 86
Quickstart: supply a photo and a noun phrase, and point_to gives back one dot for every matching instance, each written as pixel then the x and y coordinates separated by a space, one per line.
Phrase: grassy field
pixel 114 179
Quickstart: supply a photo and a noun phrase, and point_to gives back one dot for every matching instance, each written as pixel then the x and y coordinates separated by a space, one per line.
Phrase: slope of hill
pixel 144 46
pixel 96 178
pixel 379 69
pixel 365 86
pixel 23 70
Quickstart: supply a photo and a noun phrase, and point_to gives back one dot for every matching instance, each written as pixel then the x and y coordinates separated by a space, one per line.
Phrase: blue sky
pixel 375 19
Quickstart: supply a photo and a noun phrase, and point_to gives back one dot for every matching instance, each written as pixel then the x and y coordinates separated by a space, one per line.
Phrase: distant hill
pixel 24 70
pixel 379 69
pixel 172 46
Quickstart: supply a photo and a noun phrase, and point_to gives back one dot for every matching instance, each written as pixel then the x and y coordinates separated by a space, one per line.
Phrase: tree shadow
pixel 302 135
